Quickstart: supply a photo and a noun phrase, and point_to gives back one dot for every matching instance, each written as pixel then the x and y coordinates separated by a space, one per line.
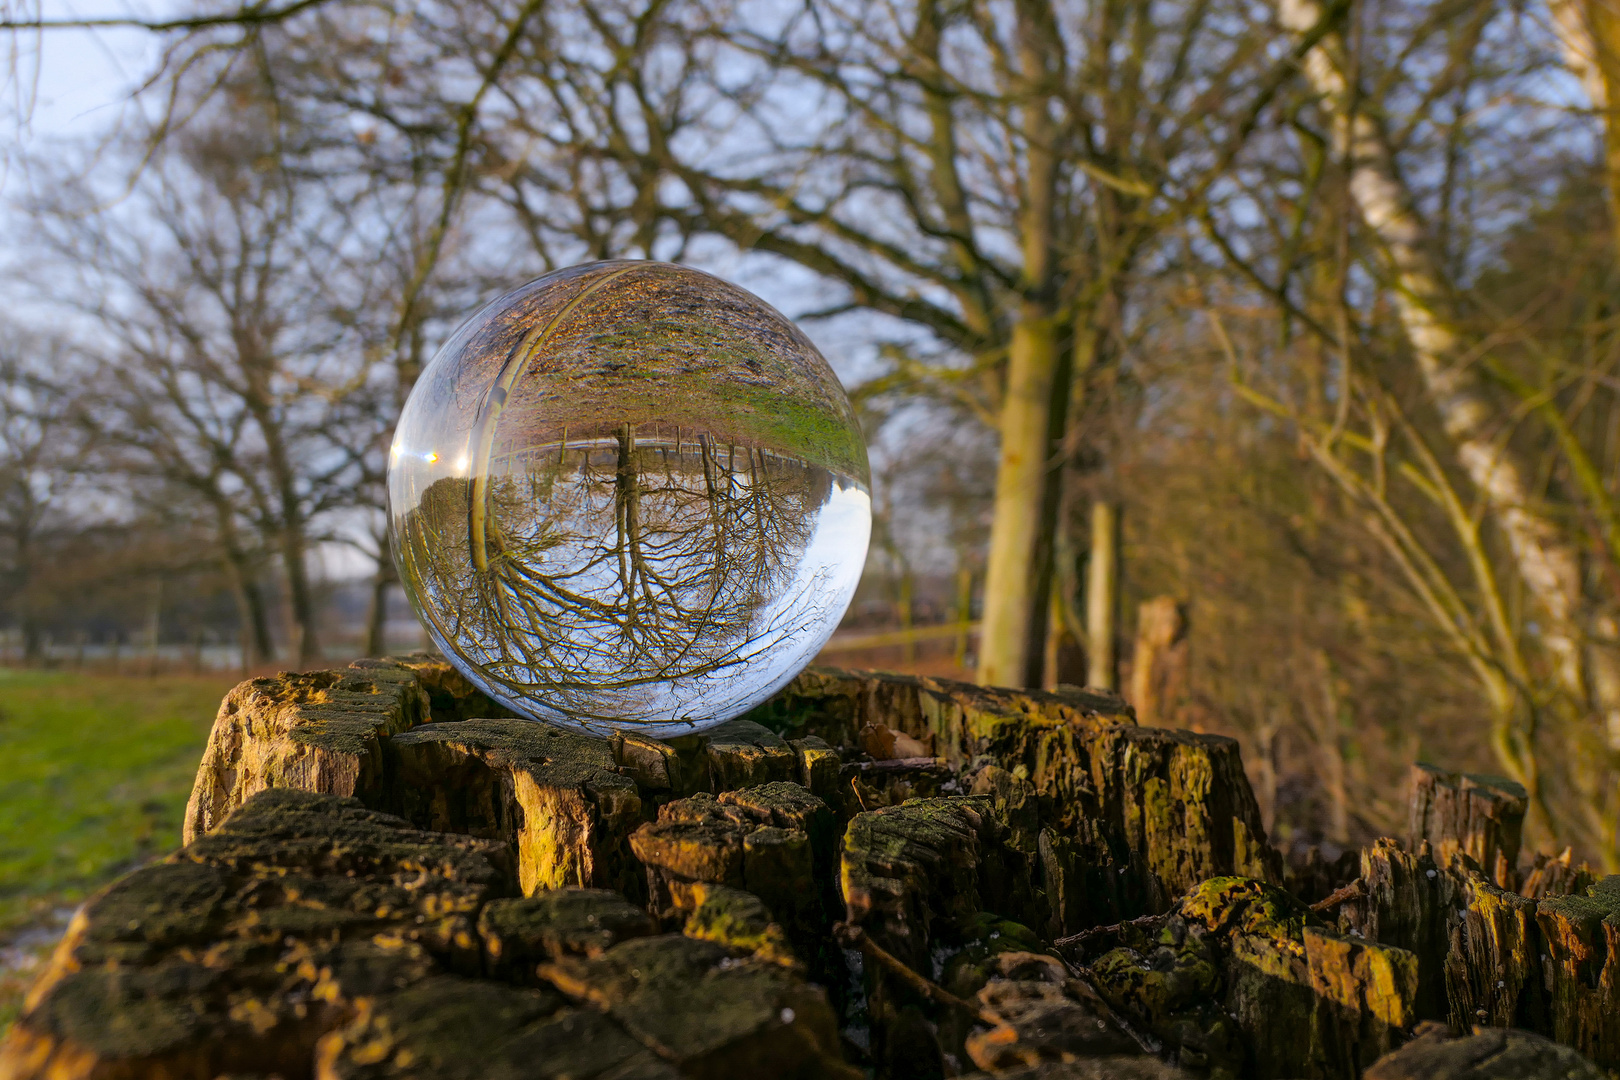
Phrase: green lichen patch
pixel 738 920
pixel 1607 890
pixel 1168 977
pixel 1232 905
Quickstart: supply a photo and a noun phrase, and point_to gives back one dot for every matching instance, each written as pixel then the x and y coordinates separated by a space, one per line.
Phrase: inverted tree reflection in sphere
pixel 629 494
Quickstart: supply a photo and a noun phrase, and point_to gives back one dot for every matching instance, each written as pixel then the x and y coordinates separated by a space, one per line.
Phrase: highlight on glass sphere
pixel 629 495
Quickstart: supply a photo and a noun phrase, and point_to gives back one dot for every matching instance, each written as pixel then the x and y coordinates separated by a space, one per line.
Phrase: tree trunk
pixel 1008 642
pixel 33 638
pixel 1587 667
pixel 377 617
pixel 1102 596
pixel 964 614
pixel 905 609
pixel 289 523
pixel 252 619
pixel 1332 747
pixel 300 595
pixel 154 626
pixel 1019 561
pixel 1159 661
pixel 27 616
pixel 255 623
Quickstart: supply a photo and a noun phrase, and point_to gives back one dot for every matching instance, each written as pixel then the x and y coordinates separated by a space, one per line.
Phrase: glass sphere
pixel 629 495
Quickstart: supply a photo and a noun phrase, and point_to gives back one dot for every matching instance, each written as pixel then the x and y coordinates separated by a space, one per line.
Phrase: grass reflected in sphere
pixel 629 495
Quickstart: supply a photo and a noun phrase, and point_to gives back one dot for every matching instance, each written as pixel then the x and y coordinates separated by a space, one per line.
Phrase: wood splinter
pixel 1352 891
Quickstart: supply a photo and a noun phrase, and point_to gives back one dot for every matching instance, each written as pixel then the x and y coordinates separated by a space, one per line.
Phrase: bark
pixel 1102 596
pixel 253 620
pixel 1581 936
pixel 556 797
pixel 1493 965
pixel 773 841
pixel 1556 875
pixel 903 609
pixel 1041 663
pixel 1408 901
pixel 33 637
pixel 1130 817
pixel 289 524
pixel 318 731
pixel 1547 559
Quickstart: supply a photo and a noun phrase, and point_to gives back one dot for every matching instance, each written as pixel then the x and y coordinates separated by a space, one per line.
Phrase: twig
pixel 853 937
pixel 899 765
pixel 247 15
pixel 1352 891
pixel 1145 922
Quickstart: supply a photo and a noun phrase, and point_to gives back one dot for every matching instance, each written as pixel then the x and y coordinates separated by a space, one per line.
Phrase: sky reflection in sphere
pixel 629 495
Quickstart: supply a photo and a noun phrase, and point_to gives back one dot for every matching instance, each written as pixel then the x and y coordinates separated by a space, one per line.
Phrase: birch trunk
pixel 1589 31
pixel 1587 666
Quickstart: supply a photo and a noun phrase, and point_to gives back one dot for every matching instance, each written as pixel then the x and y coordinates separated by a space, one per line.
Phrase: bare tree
pixel 222 324
pixel 41 448
pixel 988 176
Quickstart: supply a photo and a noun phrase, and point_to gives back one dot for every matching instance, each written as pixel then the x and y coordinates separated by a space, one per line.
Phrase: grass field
pixel 94 774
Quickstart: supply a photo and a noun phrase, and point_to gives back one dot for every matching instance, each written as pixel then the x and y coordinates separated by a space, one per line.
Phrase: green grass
pixel 94 775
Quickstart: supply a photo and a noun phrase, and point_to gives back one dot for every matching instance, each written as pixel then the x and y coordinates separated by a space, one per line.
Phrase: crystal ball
pixel 629 495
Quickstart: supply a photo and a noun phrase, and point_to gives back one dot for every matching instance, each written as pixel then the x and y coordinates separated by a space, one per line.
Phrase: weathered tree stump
pixel 1479 816
pixel 387 876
